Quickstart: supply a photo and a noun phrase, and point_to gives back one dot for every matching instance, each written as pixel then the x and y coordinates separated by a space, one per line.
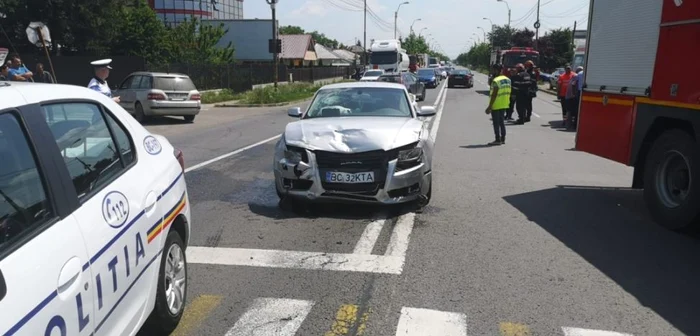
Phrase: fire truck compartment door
pixel 622 46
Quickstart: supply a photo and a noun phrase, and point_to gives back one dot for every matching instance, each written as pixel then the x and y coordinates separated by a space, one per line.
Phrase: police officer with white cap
pixel 99 82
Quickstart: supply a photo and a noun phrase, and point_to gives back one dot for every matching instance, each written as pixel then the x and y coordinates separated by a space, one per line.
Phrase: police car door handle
pixel 150 203
pixel 3 286
pixel 69 274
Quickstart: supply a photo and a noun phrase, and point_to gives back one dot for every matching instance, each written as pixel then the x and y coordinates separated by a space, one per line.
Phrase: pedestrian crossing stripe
pixel 284 317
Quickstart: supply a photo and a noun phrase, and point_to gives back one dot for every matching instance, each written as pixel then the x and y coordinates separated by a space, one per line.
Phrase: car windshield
pixel 383 57
pixel 373 73
pixel 426 72
pixel 174 84
pixel 390 78
pixel 360 102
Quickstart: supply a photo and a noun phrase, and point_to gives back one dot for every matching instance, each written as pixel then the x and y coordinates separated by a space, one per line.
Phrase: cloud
pixel 310 8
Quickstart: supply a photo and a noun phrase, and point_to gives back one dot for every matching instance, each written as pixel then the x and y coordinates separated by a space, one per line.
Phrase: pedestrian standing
pixel 498 104
pixel 573 96
pixel 19 72
pixel 511 107
pixel 532 92
pixel 563 86
pixel 43 76
pixel 521 84
pixel 99 82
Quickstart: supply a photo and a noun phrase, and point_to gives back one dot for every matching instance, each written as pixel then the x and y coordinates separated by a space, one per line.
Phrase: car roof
pixel 14 94
pixel 351 85
pixel 158 74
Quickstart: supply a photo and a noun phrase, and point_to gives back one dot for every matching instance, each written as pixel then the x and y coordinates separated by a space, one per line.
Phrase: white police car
pixel 94 217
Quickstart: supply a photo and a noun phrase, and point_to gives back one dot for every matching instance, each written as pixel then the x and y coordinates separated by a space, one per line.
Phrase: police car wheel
pixel 139 114
pixel 171 294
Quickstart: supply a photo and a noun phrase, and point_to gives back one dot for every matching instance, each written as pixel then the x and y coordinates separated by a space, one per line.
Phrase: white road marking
pixel 438 115
pixel 237 151
pixel 400 236
pixel 590 332
pixel 269 316
pixel 426 322
pixel 295 259
pixel 369 237
pixel 536 115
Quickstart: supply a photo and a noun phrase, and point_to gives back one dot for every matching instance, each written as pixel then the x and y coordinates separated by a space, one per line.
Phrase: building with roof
pixel 298 50
pixel 172 12
pixel 327 57
pixel 346 55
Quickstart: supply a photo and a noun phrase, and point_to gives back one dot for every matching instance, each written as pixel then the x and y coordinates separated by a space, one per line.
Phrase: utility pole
pixel 364 46
pixel 275 44
pixel 537 27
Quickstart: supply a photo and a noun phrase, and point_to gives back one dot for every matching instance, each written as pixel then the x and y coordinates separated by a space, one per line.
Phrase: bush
pixel 220 96
pixel 284 93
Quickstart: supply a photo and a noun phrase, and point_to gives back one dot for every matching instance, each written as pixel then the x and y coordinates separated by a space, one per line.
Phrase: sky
pixel 451 24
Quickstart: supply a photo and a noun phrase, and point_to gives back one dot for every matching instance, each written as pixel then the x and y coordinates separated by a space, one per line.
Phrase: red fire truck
pixel 511 57
pixel 641 100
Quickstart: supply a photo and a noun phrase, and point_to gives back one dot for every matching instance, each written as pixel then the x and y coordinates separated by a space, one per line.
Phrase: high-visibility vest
pixel 502 101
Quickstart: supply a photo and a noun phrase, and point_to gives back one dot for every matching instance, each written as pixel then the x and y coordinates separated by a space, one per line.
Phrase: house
pixel 346 55
pixel 327 57
pixel 298 50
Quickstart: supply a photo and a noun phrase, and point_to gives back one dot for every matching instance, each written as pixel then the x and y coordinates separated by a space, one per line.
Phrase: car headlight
pixel 411 156
pixel 294 155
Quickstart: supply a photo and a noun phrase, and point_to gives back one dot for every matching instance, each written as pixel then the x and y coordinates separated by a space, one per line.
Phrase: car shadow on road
pixel 482 92
pixel 160 121
pixel 477 146
pixel 611 229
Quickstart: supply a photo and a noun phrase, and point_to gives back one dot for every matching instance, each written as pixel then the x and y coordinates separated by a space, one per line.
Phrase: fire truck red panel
pixel 680 10
pixel 674 77
pixel 605 126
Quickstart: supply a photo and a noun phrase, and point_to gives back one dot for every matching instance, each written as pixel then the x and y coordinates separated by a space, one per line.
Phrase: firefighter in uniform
pixel 500 89
pixel 522 84
pixel 99 82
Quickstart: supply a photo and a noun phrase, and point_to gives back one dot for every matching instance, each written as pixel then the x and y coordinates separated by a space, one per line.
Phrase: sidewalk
pixel 545 88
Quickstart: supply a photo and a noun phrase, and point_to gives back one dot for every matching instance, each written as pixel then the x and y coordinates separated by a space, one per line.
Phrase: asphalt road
pixel 529 238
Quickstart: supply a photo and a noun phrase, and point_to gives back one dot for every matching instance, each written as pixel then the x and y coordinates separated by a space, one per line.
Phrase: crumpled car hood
pixel 353 134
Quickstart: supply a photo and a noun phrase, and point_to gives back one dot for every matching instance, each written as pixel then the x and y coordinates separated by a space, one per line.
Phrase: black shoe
pixel 527 119
pixel 495 143
pixel 519 122
pixel 503 140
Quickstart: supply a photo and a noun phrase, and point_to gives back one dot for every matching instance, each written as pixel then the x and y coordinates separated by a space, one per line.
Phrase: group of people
pixel 570 86
pixel 15 70
pixel 509 94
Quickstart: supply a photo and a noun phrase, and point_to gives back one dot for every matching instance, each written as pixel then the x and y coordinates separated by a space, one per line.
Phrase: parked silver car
pixel 147 94
pixel 359 142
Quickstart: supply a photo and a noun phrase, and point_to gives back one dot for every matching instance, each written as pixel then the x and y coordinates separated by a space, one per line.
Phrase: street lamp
pixel 274 42
pixel 421 31
pixel 504 1
pixel 396 16
pixel 414 22
pixel 482 29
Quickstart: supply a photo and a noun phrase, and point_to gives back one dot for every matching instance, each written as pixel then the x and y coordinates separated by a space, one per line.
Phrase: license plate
pixel 338 177
pixel 458 77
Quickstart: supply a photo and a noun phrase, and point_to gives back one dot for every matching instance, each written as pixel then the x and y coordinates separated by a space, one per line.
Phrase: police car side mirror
pixel 3 286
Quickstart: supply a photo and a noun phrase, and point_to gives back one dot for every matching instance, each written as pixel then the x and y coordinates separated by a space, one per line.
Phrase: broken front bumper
pixel 304 181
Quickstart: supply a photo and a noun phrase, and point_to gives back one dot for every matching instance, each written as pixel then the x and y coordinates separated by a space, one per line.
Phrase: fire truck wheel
pixel 672 180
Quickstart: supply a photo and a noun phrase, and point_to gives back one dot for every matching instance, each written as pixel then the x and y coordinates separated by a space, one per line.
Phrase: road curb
pixel 263 105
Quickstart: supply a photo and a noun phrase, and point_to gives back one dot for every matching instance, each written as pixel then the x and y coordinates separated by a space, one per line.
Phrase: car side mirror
pixel 413 97
pixel 294 112
pixel 427 111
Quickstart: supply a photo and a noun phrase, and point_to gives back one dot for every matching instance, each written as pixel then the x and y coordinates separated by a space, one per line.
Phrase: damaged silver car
pixel 362 142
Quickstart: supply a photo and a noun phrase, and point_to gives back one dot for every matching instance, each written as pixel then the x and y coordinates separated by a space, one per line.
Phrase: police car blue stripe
pixel 127 227
pixel 31 314
pixel 158 254
pixel 53 294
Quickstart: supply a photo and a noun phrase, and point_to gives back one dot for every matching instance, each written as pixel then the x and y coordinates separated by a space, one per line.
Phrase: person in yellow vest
pixel 499 103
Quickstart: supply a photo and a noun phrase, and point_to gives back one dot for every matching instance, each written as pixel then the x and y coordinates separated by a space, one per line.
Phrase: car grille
pixel 375 161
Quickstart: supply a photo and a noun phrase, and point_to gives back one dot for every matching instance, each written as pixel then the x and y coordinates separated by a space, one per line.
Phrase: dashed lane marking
pixel 346 319
pixel 424 322
pixel 514 329
pixel 270 316
pixel 195 312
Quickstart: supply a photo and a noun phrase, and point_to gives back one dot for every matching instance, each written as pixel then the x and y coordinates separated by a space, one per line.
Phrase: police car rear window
pixel 173 83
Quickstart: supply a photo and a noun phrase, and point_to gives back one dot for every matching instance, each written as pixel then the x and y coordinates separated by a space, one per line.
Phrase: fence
pixel 242 77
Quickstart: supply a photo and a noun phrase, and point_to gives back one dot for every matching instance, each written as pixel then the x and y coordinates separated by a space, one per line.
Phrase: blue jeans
pixel 499 123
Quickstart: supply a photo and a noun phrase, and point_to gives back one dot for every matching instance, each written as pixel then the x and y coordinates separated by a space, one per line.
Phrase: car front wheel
pixel 171 293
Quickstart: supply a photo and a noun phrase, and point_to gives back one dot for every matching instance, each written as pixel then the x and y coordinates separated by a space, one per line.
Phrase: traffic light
pixel 275 46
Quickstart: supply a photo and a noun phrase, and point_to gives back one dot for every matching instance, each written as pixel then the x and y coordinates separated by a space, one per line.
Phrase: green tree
pixel 501 36
pixel 323 40
pixel 196 43
pixel 414 44
pixel 523 38
pixel 291 30
pixel 478 56
pixel 555 49
pixel 139 32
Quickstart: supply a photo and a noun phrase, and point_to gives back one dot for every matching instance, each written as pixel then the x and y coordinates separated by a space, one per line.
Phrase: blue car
pixel 428 77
